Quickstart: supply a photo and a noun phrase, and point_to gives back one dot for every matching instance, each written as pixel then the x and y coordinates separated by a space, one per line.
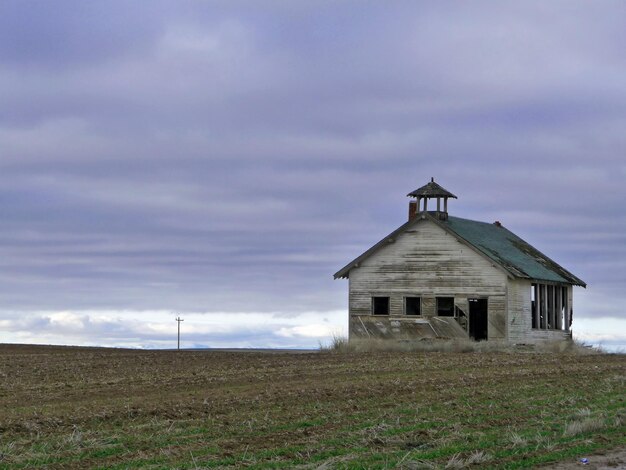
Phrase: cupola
pixel 430 191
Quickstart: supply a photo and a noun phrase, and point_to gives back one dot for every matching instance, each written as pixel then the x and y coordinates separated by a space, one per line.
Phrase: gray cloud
pixel 39 34
pixel 232 156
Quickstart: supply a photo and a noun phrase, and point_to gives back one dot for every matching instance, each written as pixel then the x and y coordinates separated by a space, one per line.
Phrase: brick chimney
pixel 412 209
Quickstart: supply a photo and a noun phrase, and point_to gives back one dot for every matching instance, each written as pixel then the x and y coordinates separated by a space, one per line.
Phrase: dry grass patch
pixel 583 421
pixel 341 344
pixel 586 425
pixel 566 347
pixel 477 458
pixel 517 440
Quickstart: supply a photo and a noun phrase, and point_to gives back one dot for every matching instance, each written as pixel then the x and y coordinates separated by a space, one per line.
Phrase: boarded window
pixel 445 306
pixel 380 305
pixel 413 305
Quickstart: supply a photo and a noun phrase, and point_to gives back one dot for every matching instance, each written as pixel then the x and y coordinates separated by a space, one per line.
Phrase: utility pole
pixel 178 319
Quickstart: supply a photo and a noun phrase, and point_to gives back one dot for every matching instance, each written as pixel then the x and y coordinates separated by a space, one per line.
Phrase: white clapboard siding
pixel 428 261
pixel 519 308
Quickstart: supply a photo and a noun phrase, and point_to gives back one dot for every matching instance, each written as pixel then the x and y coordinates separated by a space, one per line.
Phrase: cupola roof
pixel 431 189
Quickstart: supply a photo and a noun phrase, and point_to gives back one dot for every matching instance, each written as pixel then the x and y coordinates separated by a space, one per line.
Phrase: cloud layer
pixel 157 329
pixel 230 156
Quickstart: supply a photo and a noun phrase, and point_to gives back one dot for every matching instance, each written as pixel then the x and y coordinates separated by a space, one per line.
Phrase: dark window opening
pixel 380 305
pixel 539 306
pixel 550 324
pixel 533 304
pixel 413 305
pixel 563 312
pixel 445 306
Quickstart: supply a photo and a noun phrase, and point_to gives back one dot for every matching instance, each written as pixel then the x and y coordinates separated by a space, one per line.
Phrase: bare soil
pixel 611 460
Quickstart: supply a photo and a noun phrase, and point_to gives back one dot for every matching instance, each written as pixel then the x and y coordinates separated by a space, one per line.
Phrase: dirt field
pixel 612 460
pixel 106 408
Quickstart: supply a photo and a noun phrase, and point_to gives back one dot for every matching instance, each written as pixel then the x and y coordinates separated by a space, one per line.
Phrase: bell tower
pixel 430 191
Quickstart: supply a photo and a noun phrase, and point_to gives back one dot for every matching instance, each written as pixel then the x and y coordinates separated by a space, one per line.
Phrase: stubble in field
pixel 88 407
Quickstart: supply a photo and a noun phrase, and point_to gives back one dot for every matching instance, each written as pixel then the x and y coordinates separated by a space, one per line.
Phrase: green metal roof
pixel 509 251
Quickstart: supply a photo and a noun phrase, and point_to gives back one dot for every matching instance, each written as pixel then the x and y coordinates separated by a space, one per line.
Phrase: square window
pixel 380 305
pixel 413 305
pixel 445 306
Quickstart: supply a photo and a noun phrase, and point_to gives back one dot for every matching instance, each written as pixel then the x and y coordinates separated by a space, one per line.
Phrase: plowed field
pixel 107 408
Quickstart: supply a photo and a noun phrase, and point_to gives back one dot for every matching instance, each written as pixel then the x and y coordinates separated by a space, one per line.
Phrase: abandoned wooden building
pixel 439 276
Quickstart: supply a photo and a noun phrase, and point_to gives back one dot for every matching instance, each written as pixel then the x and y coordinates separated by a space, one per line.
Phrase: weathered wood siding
pixel 519 309
pixel 496 321
pixel 428 262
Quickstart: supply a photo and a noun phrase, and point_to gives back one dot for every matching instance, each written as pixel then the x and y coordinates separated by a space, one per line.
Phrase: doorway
pixel 478 319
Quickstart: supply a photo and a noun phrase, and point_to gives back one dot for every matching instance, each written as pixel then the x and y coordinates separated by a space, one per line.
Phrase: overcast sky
pixel 221 160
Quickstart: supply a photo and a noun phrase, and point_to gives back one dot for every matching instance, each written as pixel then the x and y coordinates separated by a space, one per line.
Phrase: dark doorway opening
pixel 478 319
